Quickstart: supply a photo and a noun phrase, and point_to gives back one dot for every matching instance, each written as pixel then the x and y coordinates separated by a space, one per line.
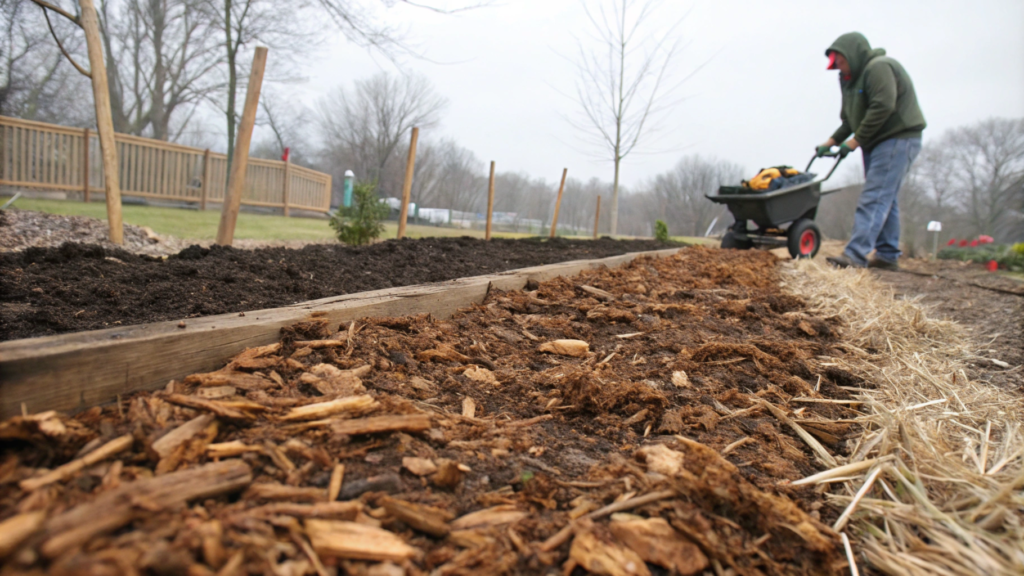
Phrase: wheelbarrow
pixel 783 217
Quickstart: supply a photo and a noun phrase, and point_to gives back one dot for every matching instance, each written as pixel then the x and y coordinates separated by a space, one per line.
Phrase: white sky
pixel 763 98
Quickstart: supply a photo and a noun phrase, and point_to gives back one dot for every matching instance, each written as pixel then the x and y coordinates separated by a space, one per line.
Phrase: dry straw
pixel 941 490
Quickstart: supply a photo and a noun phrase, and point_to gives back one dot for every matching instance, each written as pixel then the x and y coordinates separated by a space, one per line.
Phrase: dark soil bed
pixel 83 287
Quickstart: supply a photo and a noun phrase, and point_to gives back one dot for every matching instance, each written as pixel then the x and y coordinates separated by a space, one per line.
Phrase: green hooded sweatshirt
pixel 879 102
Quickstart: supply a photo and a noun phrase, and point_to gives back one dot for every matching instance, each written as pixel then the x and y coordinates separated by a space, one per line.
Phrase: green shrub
pixel 660 231
pixel 361 223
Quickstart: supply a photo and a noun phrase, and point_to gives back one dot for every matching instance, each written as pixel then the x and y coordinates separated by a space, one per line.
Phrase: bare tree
pixel 622 85
pixel 161 59
pixel 36 83
pixel 448 176
pixel 366 125
pixel 680 193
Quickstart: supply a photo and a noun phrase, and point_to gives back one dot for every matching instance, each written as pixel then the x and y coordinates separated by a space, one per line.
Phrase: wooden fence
pixel 51 157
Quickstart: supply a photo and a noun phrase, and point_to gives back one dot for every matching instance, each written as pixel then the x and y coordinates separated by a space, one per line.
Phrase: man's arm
pixel 880 85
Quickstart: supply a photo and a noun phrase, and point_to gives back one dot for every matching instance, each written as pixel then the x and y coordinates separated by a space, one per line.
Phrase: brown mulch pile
pixel 625 421
pixel 21 229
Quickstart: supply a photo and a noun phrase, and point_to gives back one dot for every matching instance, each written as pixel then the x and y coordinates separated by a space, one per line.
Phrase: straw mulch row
pixel 647 419
pixel 934 485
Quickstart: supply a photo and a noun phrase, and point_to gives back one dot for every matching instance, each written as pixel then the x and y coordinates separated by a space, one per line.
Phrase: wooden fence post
pixel 104 119
pixel 240 161
pixel 205 186
pixel 407 188
pixel 85 166
pixel 490 203
pixel 597 215
pixel 558 203
pixel 287 185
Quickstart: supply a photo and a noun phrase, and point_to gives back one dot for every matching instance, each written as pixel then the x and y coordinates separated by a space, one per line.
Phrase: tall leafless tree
pixel 622 84
pixel 368 124
pixel 680 193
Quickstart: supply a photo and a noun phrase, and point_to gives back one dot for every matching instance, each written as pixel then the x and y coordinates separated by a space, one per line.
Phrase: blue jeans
pixel 876 225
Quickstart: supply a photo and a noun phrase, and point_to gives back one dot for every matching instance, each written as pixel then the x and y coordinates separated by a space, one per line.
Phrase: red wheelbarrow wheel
pixel 804 239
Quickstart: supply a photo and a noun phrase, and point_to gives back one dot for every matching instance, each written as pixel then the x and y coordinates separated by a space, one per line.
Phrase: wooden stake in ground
pixel 558 203
pixel 287 185
pixel 407 187
pixel 104 120
pixel 597 216
pixel 85 166
pixel 240 163
pixel 490 203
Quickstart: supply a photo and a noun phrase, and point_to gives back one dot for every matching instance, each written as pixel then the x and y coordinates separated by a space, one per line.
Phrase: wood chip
pixel 655 541
pixel 17 529
pixel 109 449
pixel 324 510
pixel 419 466
pixel 354 541
pixel 427 519
pixel 168 442
pixel 481 375
pixel 495 516
pixel 603 557
pixel 468 407
pixel 597 293
pixel 337 478
pixel 680 380
pixel 269 491
pixel 574 348
pixel 230 449
pixel 116 508
pixel 351 405
pixel 404 423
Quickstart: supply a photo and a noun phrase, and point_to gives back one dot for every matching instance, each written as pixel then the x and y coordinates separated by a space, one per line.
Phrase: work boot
pixel 843 261
pixel 883 264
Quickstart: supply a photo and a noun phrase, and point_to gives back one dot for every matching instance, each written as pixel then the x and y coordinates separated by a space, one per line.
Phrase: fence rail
pixel 52 157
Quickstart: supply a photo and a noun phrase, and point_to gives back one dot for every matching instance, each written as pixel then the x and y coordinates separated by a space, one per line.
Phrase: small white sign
pixel 935 226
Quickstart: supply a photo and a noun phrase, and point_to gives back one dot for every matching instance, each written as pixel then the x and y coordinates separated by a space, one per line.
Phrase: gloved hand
pixel 823 149
pixel 844 150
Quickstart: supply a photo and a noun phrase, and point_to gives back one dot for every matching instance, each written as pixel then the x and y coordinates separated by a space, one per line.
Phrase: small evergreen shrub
pixel 661 231
pixel 361 223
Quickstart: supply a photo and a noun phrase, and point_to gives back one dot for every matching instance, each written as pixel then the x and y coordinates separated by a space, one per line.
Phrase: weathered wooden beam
pixel 76 371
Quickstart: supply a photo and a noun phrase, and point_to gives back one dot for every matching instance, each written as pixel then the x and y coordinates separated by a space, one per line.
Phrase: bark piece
pixel 661 459
pixel 403 423
pixel 230 449
pixel 221 409
pixel 658 543
pixel 215 392
pixel 17 529
pixel 389 483
pixel 448 474
pixel 168 442
pixel 479 374
pixel 606 558
pixel 323 510
pixel 334 487
pixel 316 344
pixel 427 519
pixel 109 449
pixel 419 466
pixel 494 516
pixel 271 491
pixel 351 405
pixel 354 541
pixel 597 292
pixel 680 380
pixel 443 352
pixel 575 348
pixel 112 510
pixel 469 407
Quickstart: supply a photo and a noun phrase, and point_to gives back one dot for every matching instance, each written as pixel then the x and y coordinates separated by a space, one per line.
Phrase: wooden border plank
pixel 75 371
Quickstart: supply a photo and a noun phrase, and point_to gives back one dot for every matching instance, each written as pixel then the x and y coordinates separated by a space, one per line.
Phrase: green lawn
pixel 202 225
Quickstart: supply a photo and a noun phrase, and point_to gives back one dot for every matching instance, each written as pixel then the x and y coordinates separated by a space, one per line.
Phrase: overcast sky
pixel 760 96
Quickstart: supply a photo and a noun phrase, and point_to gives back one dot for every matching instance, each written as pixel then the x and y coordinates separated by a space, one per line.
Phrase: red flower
pixel 963 243
pixel 951 242
pixel 974 243
pixel 986 239
pixel 992 266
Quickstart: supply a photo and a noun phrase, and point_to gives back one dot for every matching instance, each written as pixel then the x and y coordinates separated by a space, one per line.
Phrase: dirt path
pixel 980 301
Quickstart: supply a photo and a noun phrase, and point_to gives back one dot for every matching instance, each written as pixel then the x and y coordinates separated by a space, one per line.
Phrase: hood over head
pixel 857 51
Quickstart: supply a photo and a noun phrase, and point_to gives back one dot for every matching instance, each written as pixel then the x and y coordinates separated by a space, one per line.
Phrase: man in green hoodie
pixel 881 114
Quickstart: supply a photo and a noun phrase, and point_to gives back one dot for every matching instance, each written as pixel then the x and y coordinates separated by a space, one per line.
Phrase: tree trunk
pixel 232 82
pixel 613 223
pixel 158 115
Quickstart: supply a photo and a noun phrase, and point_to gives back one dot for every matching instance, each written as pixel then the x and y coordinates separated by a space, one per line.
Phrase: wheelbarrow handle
pixel 834 166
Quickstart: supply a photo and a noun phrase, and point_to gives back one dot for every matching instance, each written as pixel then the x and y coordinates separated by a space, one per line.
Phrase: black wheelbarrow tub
pixel 771 209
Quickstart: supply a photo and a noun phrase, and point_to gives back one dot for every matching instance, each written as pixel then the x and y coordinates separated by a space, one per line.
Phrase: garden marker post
pixel 935 227
pixel 407 188
pixel 240 162
pixel 85 166
pixel 490 203
pixel 287 184
pixel 597 215
pixel 104 120
pixel 558 202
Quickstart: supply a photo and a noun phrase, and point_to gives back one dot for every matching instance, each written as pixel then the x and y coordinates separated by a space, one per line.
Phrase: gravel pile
pixel 20 229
